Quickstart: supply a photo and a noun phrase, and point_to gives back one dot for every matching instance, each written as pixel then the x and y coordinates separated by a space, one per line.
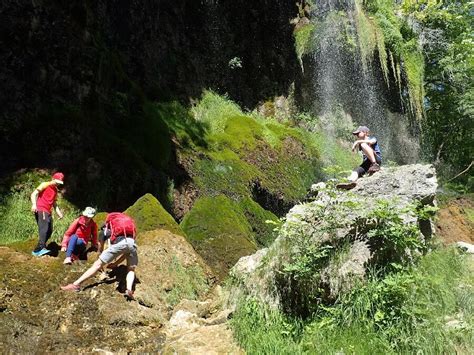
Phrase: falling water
pixel 350 90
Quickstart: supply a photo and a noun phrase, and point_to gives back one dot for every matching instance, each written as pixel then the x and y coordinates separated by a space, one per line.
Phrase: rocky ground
pixel 36 316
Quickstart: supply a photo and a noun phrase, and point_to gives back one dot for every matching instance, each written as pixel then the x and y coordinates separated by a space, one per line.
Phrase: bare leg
pixel 368 151
pixel 130 277
pixel 89 272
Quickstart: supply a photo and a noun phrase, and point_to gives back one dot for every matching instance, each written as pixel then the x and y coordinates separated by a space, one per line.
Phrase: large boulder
pixel 220 232
pixel 326 246
pixel 149 214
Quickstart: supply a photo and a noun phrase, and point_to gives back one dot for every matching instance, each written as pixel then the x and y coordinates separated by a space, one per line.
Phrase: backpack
pixel 120 224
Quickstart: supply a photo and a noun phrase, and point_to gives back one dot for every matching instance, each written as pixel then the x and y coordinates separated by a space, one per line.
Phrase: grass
pixel 213 110
pixel 403 312
pixel 188 282
pixel 16 219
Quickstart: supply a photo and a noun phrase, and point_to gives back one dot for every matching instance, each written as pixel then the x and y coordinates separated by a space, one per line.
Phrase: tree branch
pixel 462 172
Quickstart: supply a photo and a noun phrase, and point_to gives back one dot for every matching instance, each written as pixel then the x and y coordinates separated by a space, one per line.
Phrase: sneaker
pixel 71 287
pixel 129 295
pixel 374 168
pixel 41 252
pixel 67 261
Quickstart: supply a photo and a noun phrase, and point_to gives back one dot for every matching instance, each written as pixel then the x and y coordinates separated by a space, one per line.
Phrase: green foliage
pixel 17 221
pixel 449 73
pixel 149 214
pixel 188 282
pixel 261 330
pixel 396 240
pixel 213 110
pixel 303 37
pixel 403 311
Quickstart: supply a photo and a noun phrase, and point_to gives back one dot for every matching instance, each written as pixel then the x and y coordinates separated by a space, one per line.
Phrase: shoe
pixel 71 287
pixel 74 257
pixel 374 168
pixel 346 185
pixel 129 295
pixel 67 261
pixel 41 252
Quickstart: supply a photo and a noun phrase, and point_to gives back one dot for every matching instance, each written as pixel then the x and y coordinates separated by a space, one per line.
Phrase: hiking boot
pixel 67 261
pixel 71 287
pixel 374 168
pixel 41 252
pixel 129 295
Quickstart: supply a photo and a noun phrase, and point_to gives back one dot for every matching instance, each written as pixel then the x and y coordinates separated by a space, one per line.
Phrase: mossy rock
pixel 100 217
pixel 219 231
pixel 263 222
pixel 149 214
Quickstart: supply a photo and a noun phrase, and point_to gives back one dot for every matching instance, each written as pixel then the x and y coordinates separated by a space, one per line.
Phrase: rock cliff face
pixel 106 54
pixel 329 244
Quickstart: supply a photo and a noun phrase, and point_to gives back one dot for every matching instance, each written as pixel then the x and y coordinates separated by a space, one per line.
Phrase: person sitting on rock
pixel 43 199
pixel 371 156
pixel 77 236
pixel 120 230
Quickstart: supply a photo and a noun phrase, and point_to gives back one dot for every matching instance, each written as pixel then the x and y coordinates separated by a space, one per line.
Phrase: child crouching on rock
pixel 121 231
pixel 371 156
pixel 77 236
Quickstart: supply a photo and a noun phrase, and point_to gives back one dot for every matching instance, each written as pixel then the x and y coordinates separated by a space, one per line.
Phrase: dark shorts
pixel 364 167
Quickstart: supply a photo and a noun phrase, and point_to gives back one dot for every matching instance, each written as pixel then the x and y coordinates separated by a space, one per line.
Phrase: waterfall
pixel 351 86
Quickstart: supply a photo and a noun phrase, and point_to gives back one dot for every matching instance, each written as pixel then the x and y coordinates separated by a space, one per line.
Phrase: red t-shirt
pixel 84 230
pixel 46 197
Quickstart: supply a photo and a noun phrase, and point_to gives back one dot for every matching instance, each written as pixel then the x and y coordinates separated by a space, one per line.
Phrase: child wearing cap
pixel 371 156
pixel 78 234
pixel 43 199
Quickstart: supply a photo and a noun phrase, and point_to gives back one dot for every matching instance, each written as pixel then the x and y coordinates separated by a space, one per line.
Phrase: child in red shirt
pixel 43 199
pixel 78 235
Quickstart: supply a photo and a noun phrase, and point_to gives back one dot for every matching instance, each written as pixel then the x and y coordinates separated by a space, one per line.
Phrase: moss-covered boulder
pixel 149 214
pixel 219 231
pixel 262 222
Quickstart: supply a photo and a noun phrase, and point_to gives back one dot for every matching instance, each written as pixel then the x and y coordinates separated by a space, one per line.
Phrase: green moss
pixel 213 111
pixel 224 173
pixel 188 282
pixel 149 214
pixel 263 222
pixel 303 36
pixel 219 231
pixel 414 65
pixel 240 132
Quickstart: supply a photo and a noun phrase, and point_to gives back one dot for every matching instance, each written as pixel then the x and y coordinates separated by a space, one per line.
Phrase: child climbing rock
pixel 371 156
pixel 121 231
pixel 43 199
pixel 78 234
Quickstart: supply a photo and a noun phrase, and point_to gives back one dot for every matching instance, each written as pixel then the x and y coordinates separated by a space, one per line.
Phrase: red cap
pixel 58 178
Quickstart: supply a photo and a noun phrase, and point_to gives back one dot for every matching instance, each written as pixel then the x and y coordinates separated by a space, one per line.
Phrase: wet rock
pixel 39 317
pixel 201 328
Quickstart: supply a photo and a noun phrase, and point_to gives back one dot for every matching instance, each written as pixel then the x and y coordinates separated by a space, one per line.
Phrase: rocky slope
pixel 36 316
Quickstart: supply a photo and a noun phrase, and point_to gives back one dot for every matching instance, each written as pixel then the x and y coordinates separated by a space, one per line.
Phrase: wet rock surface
pixel 36 316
